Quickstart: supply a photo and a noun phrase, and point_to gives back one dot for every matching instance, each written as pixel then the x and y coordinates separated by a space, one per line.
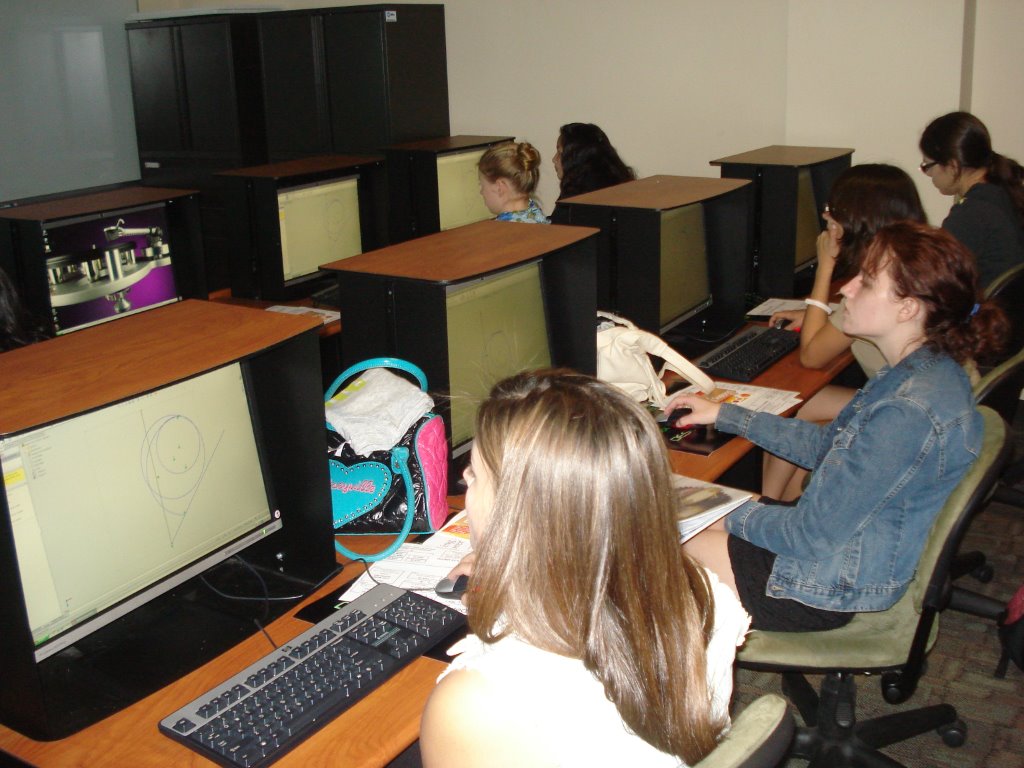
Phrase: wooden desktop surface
pixel 463 252
pixel 444 144
pixel 303 166
pixel 778 154
pixel 376 729
pixel 659 192
pixel 94 202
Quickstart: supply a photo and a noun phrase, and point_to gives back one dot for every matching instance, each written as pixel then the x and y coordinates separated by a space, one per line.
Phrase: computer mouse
pixel 780 324
pixel 679 413
pixel 450 589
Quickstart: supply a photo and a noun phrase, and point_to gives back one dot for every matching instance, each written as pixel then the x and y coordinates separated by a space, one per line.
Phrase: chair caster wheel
pixel 954 734
pixel 983 573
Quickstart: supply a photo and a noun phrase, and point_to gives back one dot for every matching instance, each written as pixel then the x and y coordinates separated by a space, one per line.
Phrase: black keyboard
pixel 271 706
pixel 747 355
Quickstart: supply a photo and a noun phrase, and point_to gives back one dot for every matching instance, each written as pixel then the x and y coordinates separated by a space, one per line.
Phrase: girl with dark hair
pixel 988 190
pixel 862 200
pixel 596 639
pixel 883 469
pixel 585 160
pixel 17 328
pixel 509 174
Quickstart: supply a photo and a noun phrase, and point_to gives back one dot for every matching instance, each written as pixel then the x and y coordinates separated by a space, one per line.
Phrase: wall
pixel 67 107
pixel 675 83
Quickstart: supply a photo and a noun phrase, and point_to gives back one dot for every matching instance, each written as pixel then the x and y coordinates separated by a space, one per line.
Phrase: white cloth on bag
pixel 376 409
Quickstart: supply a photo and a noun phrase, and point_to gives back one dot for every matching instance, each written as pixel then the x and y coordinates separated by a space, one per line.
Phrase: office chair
pixel 1008 290
pixel 1000 390
pixel 893 642
pixel 758 738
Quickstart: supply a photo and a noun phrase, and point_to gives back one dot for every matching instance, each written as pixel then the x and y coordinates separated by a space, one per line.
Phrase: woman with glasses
pixel 862 200
pixel 988 190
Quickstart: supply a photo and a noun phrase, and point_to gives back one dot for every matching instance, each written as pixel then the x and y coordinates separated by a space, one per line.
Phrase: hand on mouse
pixel 790 318
pixel 702 410
pixel 463 568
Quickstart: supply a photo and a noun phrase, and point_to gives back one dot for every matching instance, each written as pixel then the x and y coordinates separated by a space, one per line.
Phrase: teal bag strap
pixel 399 465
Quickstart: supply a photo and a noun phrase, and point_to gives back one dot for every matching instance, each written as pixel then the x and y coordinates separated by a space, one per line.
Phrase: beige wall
pixel 676 83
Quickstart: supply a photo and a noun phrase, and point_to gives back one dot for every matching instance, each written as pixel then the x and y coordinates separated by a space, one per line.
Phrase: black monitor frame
pixel 412 181
pixel 185 628
pixel 774 172
pixel 387 315
pixel 629 251
pixel 255 265
pixel 24 230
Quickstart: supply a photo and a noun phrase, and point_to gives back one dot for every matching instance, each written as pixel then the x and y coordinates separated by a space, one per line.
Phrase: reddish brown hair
pixel 932 266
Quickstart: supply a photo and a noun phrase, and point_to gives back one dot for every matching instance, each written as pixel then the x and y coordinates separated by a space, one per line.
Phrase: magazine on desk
pixel 700 504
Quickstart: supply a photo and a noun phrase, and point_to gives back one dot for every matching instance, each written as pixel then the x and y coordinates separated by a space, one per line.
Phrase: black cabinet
pixel 197 96
pixel 353 79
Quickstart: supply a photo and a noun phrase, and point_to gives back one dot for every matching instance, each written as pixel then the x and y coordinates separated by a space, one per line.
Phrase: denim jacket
pixel 882 471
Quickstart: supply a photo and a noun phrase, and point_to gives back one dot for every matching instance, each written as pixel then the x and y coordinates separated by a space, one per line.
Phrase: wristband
pixel 820 305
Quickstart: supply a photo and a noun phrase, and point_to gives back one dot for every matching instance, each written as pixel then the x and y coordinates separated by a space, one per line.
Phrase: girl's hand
pixel 828 250
pixel 702 410
pixel 791 317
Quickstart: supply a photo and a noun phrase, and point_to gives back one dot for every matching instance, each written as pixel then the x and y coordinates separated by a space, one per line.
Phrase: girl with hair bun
pixel 882 470
pixel 509 174
pixel 988 188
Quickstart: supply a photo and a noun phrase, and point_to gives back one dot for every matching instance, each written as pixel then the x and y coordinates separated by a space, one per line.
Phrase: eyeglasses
pixel 829 210
pixel 927 165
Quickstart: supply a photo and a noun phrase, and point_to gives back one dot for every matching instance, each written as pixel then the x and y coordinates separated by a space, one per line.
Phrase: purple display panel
pixel 95 277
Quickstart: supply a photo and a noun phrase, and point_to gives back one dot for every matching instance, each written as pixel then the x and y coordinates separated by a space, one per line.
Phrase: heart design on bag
pixel 357 489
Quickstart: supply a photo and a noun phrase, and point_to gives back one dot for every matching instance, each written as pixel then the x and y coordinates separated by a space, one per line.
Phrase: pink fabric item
pixel 432 448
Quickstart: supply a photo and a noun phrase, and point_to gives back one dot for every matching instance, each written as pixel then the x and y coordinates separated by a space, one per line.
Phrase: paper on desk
pixel 769 307
pixel 327 315
pixel 701 503
pixel 419 567
pixel 753 398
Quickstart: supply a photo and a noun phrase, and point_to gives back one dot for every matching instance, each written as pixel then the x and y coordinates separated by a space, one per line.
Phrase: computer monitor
pixel 113 507
pixel 87 257
pixel 808 222
pixel 496 327
pixel 674 251
pixel 459 201
pixel 288 218
pixel 684 287
pixel 471 306
pixel 433 184
pixel 319 223
pixel 791 185
pixel 160 493
pixel 107 267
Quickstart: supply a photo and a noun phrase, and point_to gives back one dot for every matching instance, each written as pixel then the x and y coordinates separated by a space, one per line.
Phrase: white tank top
pixel 572 720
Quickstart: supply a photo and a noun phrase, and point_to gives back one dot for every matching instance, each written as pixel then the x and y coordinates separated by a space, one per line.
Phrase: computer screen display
pixel 458 190
pixel 497 326
pixel 319 224
pixel 115 506
pixel 808 221
pixel 100 268
pixel 684 287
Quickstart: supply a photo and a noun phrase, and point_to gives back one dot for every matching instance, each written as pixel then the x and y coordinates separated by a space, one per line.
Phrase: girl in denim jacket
pixel 884 467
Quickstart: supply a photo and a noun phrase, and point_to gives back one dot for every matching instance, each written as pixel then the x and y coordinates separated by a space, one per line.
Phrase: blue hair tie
pixel 974 311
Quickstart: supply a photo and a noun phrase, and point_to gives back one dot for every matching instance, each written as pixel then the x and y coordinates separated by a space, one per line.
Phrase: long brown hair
pixel 932 266
pixel 582 557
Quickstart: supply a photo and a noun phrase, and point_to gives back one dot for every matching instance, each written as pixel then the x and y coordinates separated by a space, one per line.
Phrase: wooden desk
pixel 372 733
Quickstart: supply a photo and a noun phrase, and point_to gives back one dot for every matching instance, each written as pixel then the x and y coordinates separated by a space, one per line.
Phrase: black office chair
pixel 1000 390
pixel 758 738
pixel 893 642
pixel 1008 291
